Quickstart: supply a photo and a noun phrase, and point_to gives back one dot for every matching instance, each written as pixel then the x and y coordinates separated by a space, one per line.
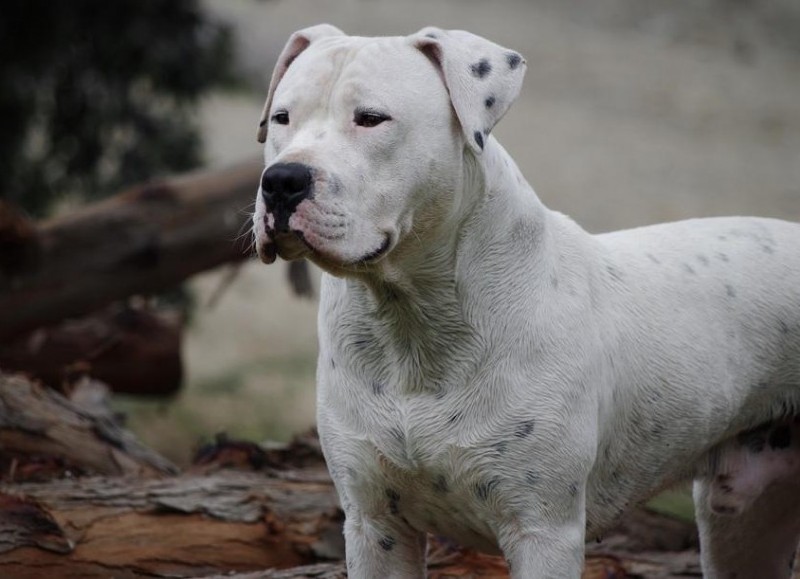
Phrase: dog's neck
pixel 425 303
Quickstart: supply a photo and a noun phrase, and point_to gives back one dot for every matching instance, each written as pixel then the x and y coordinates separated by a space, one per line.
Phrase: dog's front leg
pixel 380 549
pixel 547 545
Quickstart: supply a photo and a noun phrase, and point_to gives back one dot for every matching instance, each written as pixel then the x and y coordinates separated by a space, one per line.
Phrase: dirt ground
pixel 632 112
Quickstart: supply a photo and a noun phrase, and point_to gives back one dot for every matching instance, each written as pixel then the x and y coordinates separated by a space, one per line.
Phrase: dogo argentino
pixel 488 370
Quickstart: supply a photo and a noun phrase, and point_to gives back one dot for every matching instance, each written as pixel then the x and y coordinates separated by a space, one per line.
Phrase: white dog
pixel 488 370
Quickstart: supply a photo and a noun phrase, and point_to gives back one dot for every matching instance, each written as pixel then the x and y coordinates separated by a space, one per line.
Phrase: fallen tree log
pixel 144 240
pixel 227 525
pixel 41 427
pixel 132 350
pixel 183 526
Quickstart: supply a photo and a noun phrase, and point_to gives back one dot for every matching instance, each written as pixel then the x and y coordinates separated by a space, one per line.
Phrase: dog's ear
pixel 297 43
pixel 483 78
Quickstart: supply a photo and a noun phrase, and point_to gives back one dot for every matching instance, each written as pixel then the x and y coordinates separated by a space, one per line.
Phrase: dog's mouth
pixel 295 244
pixel 376 254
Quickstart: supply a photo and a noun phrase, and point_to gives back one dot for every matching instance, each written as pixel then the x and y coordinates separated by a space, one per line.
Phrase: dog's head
pixel 366 138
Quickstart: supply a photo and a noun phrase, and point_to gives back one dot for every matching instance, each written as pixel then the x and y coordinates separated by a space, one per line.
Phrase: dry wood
pixel 37 421
pixel 132 350
pixel 182 526
pixel 226 525
pixel 145 240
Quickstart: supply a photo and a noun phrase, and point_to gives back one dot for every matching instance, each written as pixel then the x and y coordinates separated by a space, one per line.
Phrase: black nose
pixel 285 185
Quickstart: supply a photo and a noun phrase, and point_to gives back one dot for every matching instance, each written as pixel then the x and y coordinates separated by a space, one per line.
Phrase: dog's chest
pixel 424 457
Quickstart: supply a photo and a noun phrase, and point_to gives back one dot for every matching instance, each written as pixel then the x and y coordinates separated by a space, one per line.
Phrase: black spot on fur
pixel 432 35
pixel 784 327
pixel 729 289
pixel 485 488
pixel 387 543
pixel 573 489
pixel 532 477
pixel 702 259
pixel 440 484
pixel 767 249
pixel 489 102
pixel 394 501
pixel 781 437
pixel 361 343
pixel 378 387
pixel 397 434
pixel 500 447
pixel 723 257
pixel 333 363
pixel 614 272
pixel 479 139
pixel 688 268
pixel 481 68
pixel 524 429
pixel 455 417
pixel 653 258
pixel 513 60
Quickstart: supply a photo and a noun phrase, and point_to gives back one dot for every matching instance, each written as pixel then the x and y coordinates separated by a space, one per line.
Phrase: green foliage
pixel 97 95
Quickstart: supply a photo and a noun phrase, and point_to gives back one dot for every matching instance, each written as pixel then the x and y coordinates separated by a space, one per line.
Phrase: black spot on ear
pixel 432 35
pixel 489 102
pixel 513 60
pixel 387 543
pixel 481 68
pixel 262 123
pixel 479 139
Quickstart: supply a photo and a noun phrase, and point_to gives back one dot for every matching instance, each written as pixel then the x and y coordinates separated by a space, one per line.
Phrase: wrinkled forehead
pixel 384 68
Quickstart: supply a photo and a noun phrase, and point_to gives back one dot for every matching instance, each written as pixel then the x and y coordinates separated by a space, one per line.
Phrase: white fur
pixel 501 376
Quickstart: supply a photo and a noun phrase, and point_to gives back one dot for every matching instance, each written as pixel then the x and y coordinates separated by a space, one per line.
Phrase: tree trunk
pixel 145 240
pixel 43 432
pixel 132 350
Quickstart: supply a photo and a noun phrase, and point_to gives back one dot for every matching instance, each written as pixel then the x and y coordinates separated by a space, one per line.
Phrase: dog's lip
pixel 377 254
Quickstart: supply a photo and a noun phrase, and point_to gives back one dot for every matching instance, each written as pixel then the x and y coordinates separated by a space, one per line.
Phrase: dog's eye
pixel 281 118
pixel 370 118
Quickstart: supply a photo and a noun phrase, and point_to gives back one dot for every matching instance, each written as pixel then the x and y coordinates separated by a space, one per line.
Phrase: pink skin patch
pixel 751 462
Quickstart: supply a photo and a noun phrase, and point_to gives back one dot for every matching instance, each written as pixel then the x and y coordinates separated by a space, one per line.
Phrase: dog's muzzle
pixel 283 187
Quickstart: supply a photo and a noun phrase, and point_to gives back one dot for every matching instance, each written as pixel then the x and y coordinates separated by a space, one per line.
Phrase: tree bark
pixel 185 526
pixel 40 424
pixel 145 240
pixel 132 350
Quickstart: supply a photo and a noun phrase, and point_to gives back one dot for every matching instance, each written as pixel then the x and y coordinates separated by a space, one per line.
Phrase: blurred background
pixel 632 112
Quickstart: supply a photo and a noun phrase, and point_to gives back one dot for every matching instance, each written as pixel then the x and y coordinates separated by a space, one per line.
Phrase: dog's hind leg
pixel 748 511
